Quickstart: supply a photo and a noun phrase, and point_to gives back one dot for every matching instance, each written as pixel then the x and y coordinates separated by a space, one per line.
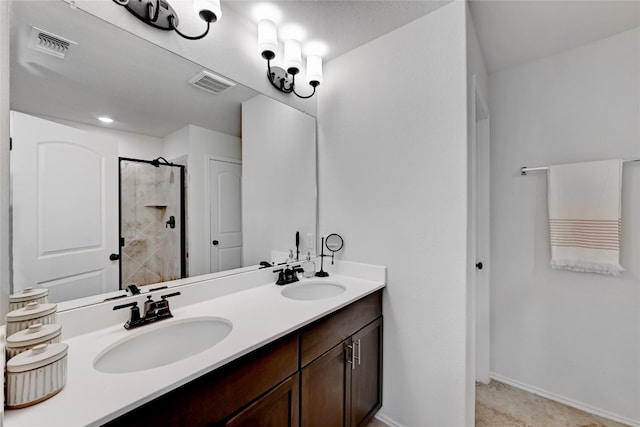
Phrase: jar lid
pixel 28 294
pixel 33 335
pixel 32 310
pixel 39 356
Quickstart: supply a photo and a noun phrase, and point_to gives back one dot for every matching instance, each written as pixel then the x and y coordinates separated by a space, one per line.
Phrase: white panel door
pixel 225 183
pixel 65 209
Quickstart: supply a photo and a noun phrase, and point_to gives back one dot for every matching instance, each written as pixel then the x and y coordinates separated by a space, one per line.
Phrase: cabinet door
pixel 277 408
pixel 366 384
pixel 324 390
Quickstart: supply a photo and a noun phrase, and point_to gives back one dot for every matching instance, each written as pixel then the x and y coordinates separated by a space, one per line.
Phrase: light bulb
pixel 209 10
pixel 314 70
pixel 267 39
pixel 292 56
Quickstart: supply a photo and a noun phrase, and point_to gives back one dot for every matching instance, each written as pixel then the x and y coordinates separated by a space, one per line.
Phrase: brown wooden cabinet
pixel 305 378
pixel 342 386
pixel 366 378
pixel 277 408
pixel 323 390
pixel 214 398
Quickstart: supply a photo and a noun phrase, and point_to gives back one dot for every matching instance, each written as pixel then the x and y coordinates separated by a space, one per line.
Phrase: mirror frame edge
pixel 5 176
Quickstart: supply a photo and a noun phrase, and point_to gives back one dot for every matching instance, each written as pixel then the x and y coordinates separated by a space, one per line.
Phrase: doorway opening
pixel 152 221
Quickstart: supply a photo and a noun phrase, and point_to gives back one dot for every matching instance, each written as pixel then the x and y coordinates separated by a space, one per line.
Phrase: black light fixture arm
pixel 293 89
pixel 285 82
pixel 175 28
pixel 160 14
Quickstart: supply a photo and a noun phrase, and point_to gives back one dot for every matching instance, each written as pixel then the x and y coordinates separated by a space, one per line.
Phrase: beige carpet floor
pixel 500 405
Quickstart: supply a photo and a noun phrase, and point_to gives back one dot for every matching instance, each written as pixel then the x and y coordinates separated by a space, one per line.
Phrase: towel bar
pixel 524 169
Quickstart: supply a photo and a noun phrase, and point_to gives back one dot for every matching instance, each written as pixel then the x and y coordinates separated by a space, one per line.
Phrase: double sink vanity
pixel 238 349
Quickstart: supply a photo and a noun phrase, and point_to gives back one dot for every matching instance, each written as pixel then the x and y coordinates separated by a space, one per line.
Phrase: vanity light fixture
pixel 160 14
pixel 284 79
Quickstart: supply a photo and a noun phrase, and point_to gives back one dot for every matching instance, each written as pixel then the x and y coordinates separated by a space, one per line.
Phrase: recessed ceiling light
pixel 105 119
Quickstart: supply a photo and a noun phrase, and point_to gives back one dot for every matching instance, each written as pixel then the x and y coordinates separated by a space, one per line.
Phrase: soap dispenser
pixel 291 258
pixel 308 267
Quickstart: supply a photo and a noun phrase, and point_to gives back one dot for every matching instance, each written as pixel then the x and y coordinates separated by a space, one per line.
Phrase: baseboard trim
pixel 569 402
pixel 388 421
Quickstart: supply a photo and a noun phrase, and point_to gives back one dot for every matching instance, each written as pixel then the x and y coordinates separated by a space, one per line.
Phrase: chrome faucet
pixel 153 311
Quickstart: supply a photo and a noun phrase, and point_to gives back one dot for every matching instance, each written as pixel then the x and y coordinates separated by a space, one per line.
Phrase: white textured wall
pixel 574 335
pixel 393 182
pixel 130 144
pixel 176 144
pixel 203 144
pixel 278 181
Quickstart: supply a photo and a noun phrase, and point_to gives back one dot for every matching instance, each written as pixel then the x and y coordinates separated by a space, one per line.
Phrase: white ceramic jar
pixel 36 375
pixel 27 295
pixel 32 313
pixel 32 336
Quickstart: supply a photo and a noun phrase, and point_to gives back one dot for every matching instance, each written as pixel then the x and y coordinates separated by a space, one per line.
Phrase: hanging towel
pixel 584 216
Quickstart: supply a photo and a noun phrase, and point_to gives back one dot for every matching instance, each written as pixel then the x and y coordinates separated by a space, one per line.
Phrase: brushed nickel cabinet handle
pixel 353 356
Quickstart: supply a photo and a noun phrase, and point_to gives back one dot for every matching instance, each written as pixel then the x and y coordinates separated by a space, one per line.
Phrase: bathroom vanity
pixel 325 374
pixel 315 361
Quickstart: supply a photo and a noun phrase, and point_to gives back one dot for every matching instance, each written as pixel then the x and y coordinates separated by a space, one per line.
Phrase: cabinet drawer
pixel 277 408
pixel 324 334
pixel 213 397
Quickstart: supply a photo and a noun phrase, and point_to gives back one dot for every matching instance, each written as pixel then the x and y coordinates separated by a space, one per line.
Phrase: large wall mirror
pixel 196 175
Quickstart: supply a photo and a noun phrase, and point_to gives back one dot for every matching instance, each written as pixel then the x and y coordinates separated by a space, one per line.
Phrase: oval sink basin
pixel 312 290
pixel 163 345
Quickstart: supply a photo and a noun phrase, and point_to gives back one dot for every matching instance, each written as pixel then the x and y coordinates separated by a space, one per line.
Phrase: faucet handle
pixel 133 306
pixel 134 319
pixel 162 306
pixel 281 277
pixel 133 289
pixel 174 294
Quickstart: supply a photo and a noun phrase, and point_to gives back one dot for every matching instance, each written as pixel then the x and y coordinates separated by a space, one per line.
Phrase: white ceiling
pixel 518 31
pixel 510 32
pixel 345 24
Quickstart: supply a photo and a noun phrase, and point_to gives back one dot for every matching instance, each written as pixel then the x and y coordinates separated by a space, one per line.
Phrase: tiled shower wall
pixel 149 196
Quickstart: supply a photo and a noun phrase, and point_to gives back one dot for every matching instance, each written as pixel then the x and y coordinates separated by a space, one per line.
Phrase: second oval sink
pixel 161 346
pixel 312 290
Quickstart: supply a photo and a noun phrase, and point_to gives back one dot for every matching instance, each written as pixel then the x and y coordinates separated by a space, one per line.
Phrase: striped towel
pixel 584 216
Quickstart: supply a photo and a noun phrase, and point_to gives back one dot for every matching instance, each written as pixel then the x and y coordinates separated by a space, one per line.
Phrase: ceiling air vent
pixel 211 82
pixel 46 42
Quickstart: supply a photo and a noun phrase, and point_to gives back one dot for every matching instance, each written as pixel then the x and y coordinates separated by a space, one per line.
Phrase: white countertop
pixel 259 315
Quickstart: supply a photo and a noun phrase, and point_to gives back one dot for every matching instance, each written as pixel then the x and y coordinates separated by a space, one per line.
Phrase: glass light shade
pixel 267 37
pixel 292 56
pixel 205 8
pixel 314 69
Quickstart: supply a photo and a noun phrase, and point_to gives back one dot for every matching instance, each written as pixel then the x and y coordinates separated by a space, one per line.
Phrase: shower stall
pixel 152 221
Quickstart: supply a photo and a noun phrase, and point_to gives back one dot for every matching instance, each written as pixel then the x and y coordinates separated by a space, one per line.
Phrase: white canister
pixel 32 336
pixel 27 295
pixel 32 313
pixel 36 375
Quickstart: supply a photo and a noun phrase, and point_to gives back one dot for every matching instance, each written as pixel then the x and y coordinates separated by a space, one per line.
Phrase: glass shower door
pixel 151 222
